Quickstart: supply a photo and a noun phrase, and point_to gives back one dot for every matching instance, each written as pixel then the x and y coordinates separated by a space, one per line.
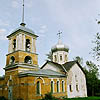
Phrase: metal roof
pixel 65 67
pixel 42 72
pixel 23 28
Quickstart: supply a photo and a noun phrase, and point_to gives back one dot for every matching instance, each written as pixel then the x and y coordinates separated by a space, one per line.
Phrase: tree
pixel 92 78
pixel 96 48
pixel 79 59
pixel 49 56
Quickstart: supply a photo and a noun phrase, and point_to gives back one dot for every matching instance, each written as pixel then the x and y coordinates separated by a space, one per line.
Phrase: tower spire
pixel 23 24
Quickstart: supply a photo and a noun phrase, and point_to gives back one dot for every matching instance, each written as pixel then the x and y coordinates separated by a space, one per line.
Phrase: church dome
pixel 60 47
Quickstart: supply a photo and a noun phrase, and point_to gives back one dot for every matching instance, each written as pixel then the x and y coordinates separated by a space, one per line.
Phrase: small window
pixel 55 57
pixel 77 87
pixel 28 60
pixel 63 86
pixel 60 57
pixel 70 88
pixel 57 86
pixel 65 57
pixel 27 45
pixel 52 87
pixel 76 78
pixel 14 44
pixel 12 60
pixel 38 87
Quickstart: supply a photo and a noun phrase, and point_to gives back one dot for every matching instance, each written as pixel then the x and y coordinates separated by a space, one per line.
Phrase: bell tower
pixel 22 48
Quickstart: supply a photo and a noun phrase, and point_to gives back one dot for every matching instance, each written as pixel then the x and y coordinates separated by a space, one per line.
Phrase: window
pixel 65 57
pixel 14 44
pixel 28 60
pixel 77 87
pixel 52 87
pixel 60 57
pixel 57 86
pixel 76 78
pixel 70 88
pixel 55 57
pixel 27 45
pixel 38 87
pixel 12 60
pixel 62 86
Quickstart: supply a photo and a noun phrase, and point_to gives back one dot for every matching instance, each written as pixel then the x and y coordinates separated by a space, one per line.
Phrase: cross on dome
pixel 59 34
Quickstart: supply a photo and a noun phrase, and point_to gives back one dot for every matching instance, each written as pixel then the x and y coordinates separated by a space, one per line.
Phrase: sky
pixel 75 18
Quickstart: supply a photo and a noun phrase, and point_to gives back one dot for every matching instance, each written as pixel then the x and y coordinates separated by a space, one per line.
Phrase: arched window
pixel 60 57
pixel 65 57
pixel 70 88
pixel 38 87
pixel 27 45
pixel 77 87
pixel 55 58
pixel 28 60
pixel 14 44
pixel 52 87
pixel 63 86
pixel 12 60
pixel 58 86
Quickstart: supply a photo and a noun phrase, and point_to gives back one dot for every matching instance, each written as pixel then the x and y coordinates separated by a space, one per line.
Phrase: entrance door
pixel 10 93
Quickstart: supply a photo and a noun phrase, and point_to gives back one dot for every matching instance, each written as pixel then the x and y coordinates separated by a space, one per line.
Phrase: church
pixel 26 80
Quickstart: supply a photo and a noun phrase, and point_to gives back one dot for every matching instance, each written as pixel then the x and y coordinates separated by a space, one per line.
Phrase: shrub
pixel 49 96
pixel 2 98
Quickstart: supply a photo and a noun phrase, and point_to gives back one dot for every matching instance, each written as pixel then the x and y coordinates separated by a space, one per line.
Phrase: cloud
pixel 3 34
pixel 29 3
pixel 4 23
pixel 43 29
pixel 15 4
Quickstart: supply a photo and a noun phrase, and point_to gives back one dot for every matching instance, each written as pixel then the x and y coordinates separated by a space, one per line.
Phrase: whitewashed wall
pixel 73 80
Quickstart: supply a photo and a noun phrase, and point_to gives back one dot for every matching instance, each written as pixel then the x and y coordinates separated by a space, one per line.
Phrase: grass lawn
pixel 88 98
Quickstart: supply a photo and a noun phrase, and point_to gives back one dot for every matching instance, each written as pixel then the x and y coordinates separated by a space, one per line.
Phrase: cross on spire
pixel 23 24
pixel 59 34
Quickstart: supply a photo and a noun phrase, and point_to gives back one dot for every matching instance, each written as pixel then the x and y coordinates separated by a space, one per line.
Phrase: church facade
pixel 25 79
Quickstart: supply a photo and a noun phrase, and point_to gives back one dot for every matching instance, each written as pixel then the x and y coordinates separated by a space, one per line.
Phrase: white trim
pixel 39 78
pixel 17 70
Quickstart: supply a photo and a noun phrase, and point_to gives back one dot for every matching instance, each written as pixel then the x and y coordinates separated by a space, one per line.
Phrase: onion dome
pixel 60 47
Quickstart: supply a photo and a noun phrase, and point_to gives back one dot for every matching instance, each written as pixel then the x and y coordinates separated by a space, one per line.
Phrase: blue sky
pixel 75 18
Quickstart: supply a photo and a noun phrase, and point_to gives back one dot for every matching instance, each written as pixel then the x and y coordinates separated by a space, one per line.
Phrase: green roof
pixel 24 29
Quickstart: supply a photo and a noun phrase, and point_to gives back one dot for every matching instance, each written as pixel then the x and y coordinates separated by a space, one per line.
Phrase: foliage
pixel 96 48
pixel 79 59
pixel 2 98
pixel 49 56
pixel 49 96
pixel 19 99
pixel 92 78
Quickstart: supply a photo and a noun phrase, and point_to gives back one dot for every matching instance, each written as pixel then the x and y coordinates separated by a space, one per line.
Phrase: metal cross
pixel 59 34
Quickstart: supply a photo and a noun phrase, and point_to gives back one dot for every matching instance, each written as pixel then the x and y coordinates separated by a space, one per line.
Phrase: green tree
pixel 96 48
pixel 49 56
pixel 91 77
pixel 79 59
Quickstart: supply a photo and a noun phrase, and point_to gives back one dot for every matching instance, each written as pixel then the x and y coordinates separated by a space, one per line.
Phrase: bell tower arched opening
pixel 28 60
